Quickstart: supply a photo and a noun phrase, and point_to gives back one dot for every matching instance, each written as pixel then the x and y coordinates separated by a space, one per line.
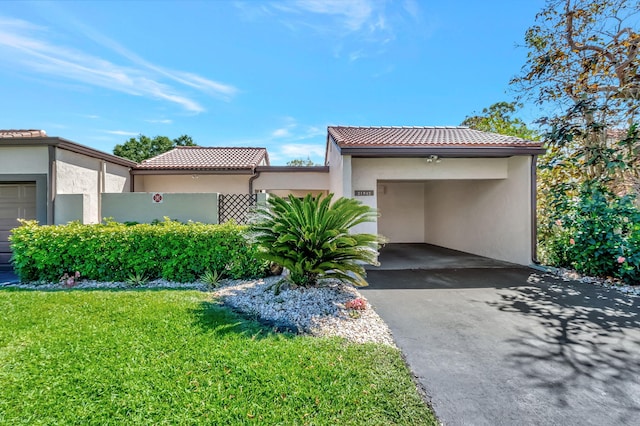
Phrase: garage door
pixel 17 200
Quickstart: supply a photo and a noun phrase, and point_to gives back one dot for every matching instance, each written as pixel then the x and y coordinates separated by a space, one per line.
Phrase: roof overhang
pixel 69 146
pixel 169 171
pixel 440 151
pixel 293 169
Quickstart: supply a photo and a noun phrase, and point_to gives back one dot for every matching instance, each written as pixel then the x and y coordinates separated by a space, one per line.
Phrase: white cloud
pixel 280 133
pixel 353 14
pixel 122 133
pixel 298 150
pixel 26 45
pixel 165 121
pixel 353 26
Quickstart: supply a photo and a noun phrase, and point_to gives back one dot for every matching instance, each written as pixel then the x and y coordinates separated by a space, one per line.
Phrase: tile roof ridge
pixel 400 127
pixel 22 133
pixel 158 156
pixel 219 147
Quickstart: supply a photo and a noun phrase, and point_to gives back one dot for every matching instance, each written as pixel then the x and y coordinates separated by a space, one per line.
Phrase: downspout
pixel 256 175
pixel 101 187
pixel 534 211
pixel 51 186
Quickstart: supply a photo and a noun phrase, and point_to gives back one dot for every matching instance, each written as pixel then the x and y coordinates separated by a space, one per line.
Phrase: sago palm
pixel 311 238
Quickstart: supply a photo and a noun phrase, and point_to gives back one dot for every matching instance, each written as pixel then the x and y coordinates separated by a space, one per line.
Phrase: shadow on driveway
pixel 512 345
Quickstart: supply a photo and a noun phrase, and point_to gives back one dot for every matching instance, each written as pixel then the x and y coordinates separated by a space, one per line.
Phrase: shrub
pixel 597 234
pixel 311 238
pixel 115 252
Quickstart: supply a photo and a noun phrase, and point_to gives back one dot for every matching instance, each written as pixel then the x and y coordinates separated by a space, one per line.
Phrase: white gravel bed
pixel 610 283
pixel 318 311
pixel 90 284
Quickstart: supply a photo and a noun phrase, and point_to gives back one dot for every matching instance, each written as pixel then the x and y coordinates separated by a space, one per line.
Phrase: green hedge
pixel 114 251
pixel 596 233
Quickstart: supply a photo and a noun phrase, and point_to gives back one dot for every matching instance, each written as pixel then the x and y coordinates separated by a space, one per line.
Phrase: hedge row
pixel 115 251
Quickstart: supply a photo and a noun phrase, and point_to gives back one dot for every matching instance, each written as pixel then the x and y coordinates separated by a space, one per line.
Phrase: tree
pixel 583 63
pixel 300 162
pixel 582 67
pixel 497 119
pixel 143 147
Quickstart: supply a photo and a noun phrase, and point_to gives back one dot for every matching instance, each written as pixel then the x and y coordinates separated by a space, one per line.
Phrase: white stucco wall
pixel 366 172
pixel 340 172
pixel 24 160
pixel 70 207
pixel 223 184
pixel 141 207
pixel 292 181
pixel 297 192
pixel 403 204
pixel 117 178
pixel 79 174
pixel 486 217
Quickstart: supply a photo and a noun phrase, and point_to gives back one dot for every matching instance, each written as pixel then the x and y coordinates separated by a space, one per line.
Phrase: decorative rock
pixel 318 311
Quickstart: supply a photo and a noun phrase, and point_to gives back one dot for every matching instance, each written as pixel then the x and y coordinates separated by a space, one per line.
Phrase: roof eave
pixel 293 169
pixel 184 171
pixel 450 152
pixel 69 146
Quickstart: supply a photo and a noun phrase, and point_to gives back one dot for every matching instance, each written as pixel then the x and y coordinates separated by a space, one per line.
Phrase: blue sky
pixel 254 73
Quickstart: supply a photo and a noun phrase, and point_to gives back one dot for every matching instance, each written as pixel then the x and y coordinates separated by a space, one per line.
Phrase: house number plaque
pixel 363 192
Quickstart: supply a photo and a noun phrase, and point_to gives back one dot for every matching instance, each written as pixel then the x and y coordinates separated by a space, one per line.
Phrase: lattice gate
pixel 235 206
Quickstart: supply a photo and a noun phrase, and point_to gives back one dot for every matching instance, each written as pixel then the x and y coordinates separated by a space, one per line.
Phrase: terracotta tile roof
pixel 204 158
pixel 22 134
pixel 431 136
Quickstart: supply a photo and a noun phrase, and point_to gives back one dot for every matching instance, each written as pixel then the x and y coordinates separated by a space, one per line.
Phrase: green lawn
pixel 175 357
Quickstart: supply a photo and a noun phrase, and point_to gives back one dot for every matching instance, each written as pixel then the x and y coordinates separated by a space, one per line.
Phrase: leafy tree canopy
pixel 583 65
pixel 300 162
pixel 144 147
pixel 498 119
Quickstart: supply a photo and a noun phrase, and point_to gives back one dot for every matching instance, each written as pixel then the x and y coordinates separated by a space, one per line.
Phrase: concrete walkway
pixel 508 345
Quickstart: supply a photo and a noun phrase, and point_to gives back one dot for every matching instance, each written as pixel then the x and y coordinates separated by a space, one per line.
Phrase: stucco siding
pixel 293 181
pixel 79 174
pixel 297 192
pixel 403 203
pixel 24 160
pixel 223 184
pixel 486 217
pixel 70 207
pixel 141 207
pixel 339 171
pixel 366 172
pixel 117 178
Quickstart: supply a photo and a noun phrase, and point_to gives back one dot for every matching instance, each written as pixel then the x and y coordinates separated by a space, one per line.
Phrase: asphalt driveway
pixel 498 344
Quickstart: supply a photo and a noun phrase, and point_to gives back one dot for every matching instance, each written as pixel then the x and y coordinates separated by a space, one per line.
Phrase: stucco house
pixel 53 180
pixel 450 186
pixel 454 187
pixel 225 170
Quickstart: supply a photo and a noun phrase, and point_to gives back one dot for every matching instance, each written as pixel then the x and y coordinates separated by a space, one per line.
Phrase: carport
pixel 452 187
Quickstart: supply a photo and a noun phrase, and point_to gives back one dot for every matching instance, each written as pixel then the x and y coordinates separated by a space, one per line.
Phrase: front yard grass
pixel 176 357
